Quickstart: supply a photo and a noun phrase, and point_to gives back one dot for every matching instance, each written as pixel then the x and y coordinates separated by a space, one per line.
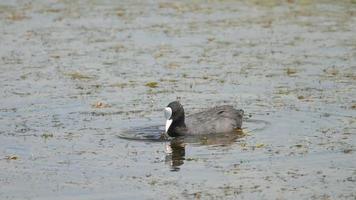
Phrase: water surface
pixel 76 75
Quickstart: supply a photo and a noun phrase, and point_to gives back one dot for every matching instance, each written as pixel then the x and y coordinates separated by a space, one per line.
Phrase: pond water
pixel 83 85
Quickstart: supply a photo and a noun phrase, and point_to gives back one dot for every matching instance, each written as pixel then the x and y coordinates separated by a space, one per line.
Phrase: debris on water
pixel 23 77
pixel 173 65
pixel 191 159
pixel 120 85
pixel 16 16
pixel 210 39
pixel 353 106
pixel 347 150
pixel 351 179
pixel 120 12
pixel 152 84
pixel 332 71
pixel 55 56
pixel 47 135
pixel 168 80
pixel 101 104
pixel 301 97
pixel 291 71
pixel 260 145
pixel 240 131
pixel 118 47
pixel 11 157
pixel 77 76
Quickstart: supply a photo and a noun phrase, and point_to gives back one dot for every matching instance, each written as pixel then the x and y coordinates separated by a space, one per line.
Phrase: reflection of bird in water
pixel 175 151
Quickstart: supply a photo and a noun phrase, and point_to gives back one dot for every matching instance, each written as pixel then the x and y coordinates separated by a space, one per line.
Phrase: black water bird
pixel 220 119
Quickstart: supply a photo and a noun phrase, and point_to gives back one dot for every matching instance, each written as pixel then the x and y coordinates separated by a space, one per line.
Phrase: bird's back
pixel 221 119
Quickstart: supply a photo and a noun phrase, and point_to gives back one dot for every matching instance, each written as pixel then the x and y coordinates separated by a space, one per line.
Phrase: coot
pixel 221 119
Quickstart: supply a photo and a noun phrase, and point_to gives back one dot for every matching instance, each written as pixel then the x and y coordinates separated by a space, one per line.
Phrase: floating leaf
pixel 260 145
pixel 152 84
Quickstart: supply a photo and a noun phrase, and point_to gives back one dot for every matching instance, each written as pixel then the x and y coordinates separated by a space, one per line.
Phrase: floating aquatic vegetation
pixel 260 145
pixel 47 135
pixel 16 16
pixel 78 76
pixel 152 84
pixel 291 71
pixel 11 157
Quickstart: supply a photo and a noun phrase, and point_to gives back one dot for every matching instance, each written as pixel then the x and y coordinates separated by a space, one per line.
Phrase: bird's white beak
pixel 168 124
pixel 168 115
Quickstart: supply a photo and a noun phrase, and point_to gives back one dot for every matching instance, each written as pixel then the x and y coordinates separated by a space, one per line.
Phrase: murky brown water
pixel 75 76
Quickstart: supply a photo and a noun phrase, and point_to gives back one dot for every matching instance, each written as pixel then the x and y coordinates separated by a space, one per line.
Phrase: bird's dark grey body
pixel 221 119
